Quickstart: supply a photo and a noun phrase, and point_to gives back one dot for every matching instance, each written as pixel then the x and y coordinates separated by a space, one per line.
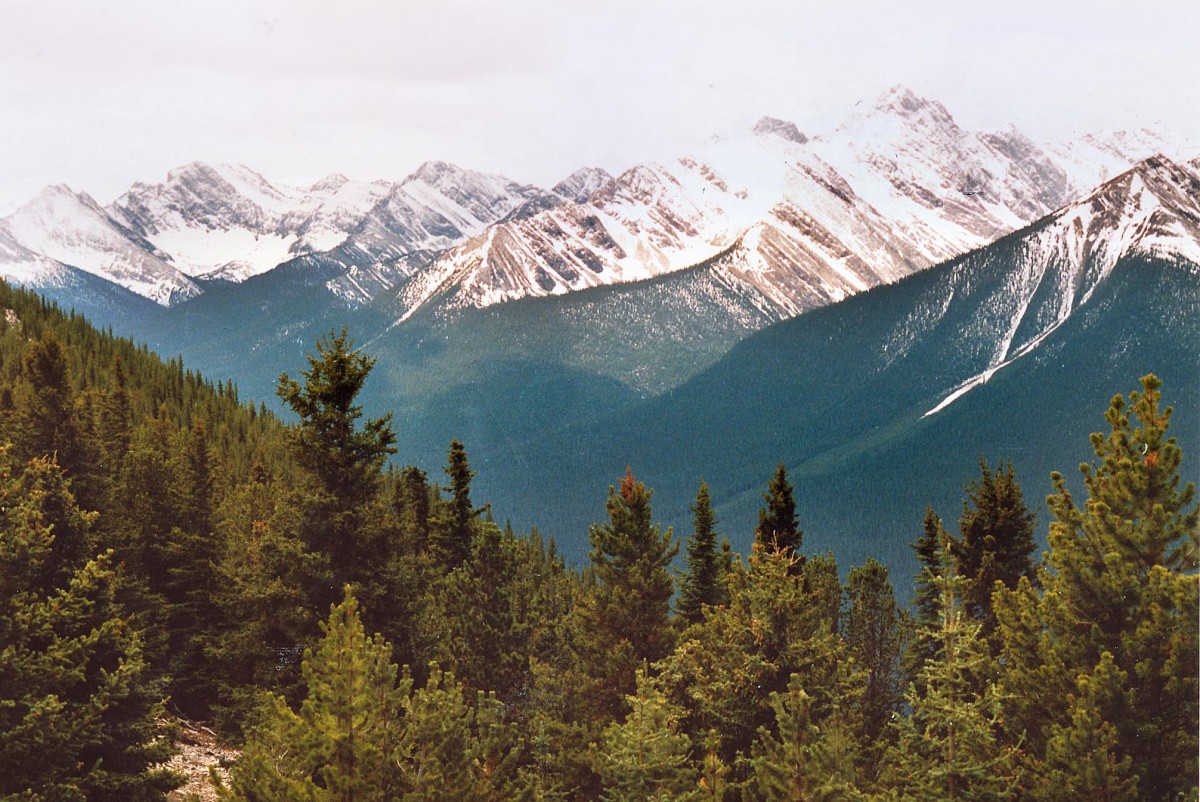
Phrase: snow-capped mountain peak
pixel 330 183
pixel 582 184
pixel 780 128
pixel 1056 267
pixel 72 229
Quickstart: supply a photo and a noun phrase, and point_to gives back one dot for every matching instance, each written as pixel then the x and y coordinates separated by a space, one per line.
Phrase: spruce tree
pixel 482 618
pixel 343 457
pixel 80 710
pixel 455 528
pixel 701 585
pixel 926 599
pixel 47 425
pixel 996 541
pixel 777 524
pixel 874 635
pixel 624 616
pixel 261 600
pixel 413 509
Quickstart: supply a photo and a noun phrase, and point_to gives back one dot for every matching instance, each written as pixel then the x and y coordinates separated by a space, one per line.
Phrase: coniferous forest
pixel 365 631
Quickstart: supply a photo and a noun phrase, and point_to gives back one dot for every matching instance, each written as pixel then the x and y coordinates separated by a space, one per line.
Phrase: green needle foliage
pixel 1118 597
pixel 220 539
pixel 340 744
pixel 874 634
pixel 80 711
pixel 342 458
pixel 625 615
pixel 777 524
pixel 797 761
pixel 947 749
pixel 645 757
pixel 703 583
pixel 996 541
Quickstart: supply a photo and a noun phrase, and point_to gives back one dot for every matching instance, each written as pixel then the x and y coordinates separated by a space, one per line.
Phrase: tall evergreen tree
pixel 341 745
pixel 777 623
pixel 996 541
pixel 412 506
pixel 926 600
pixel 624 616
pixel 482 616
pixel 1119 587
pixel 874 639
pixel 455 529
pixel 47 426
pixel 797 761
pixel 1081 760
pixel 261 598
pixel 702 584
pixel 947 748
pixel 343 457
pixel 777 524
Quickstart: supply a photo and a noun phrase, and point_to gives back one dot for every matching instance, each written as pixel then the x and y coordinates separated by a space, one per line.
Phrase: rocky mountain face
pixel 229 222
pixel 70 228
pixel 800 221
pixel 581 184
pixel 787 220
pixel 884 401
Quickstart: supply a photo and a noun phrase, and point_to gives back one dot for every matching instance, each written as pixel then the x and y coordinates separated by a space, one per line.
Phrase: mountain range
pixel 878 305
pixel 799 220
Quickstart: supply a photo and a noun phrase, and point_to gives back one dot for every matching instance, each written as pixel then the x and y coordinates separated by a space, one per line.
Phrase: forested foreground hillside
pixel 369 632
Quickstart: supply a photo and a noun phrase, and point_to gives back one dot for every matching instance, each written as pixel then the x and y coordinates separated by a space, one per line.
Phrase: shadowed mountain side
pixel 814 393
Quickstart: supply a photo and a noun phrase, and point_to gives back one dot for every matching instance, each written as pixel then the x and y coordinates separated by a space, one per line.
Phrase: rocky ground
pixel 199 750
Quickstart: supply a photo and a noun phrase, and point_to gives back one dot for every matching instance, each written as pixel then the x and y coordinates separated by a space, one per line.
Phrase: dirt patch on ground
pixel 199 751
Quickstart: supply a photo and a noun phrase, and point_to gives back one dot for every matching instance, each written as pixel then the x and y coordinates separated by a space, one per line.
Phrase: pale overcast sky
pixel 100 94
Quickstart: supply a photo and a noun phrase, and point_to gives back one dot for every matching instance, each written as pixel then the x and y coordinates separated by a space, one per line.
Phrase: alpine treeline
pixel 369 632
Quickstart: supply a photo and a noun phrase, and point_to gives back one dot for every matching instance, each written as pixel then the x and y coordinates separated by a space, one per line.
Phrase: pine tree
pixel 342 743
pixel 777 623
pixel 1081 759
pixel 455 748
pixel 947 749
pixel 701 585
pixel 714 784
pixel 996 542
pixel 624 616
pixel 797 762
pixel 645 757
pixel 1119 580
pixel 777 524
